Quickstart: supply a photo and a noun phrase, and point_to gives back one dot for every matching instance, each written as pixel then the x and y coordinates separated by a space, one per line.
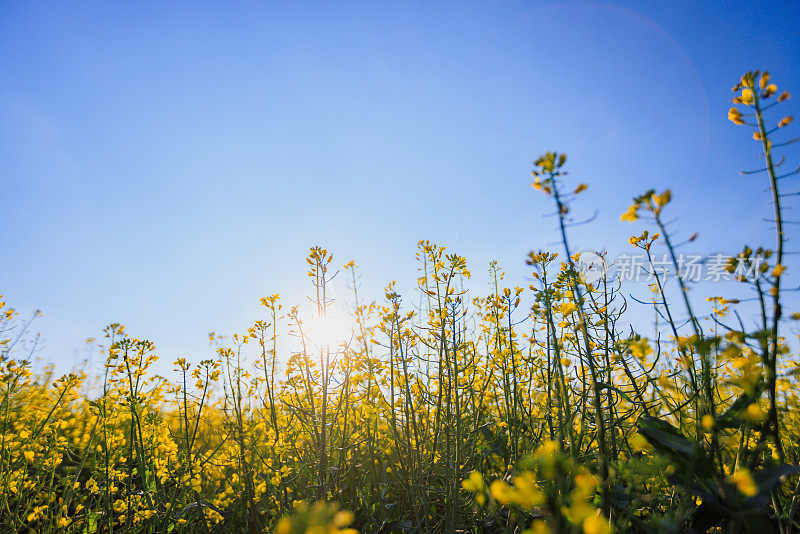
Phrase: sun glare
pixel 330 331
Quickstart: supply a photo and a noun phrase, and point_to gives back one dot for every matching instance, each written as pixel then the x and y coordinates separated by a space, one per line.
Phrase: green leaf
pixel 665 437
pixel 694 467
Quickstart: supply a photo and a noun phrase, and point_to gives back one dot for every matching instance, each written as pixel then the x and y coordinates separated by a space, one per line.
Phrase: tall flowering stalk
pixel 547 178
pixel 756 93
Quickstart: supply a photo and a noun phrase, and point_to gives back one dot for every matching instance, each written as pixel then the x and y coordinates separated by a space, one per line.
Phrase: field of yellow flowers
pixel 457 415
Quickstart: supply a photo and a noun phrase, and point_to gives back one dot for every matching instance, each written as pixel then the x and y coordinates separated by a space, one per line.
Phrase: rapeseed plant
pixel 438 410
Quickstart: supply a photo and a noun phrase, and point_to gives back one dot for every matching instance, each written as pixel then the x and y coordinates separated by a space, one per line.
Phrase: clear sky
pixel 166 164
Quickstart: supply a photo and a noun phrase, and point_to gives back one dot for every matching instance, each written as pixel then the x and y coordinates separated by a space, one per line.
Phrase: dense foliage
pixel 459 413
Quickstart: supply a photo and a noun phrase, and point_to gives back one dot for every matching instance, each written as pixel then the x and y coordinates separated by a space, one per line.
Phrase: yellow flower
pixel 708 421
pixel 661 200
pixel 753 414
pixel 596 524
pixel 28 455
pixel 778 270
pixel 747 96
pixel 640 348
pixel 539 527
pixel 744 482
pixel 630 215
pixel 567 308
pixel 784 121
pixel 501 491
pixel 735 115
pixel 342 518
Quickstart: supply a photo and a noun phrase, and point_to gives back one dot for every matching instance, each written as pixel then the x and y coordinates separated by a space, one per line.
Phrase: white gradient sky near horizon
pixel 166 165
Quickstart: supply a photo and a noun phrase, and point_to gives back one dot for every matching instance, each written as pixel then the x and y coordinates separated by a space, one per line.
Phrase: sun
pixel 331 331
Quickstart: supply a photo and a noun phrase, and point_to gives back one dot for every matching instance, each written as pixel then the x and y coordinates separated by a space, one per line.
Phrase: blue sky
pixel 164 165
